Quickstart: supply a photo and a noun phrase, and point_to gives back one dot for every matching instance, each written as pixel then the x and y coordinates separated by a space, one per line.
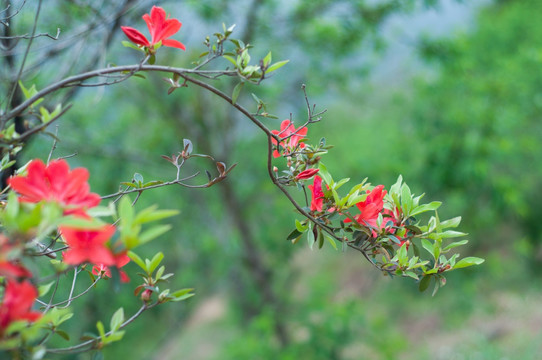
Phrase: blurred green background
pixel 447 93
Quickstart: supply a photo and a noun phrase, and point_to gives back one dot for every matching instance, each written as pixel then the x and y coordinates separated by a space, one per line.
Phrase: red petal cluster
pixel 88 245
pixel 16 304
pixel 317 194
pixel 55 182
pixel 370 208
pixel 160 27
pixel 287 129
pixel 10 268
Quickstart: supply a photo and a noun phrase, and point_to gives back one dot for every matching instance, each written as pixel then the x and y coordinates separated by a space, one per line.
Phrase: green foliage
pixel 481 116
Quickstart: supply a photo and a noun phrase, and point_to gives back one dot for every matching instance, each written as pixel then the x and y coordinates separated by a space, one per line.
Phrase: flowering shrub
pixel 51 215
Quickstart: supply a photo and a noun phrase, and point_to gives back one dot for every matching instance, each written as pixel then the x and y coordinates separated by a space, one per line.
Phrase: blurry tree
pixel 482 118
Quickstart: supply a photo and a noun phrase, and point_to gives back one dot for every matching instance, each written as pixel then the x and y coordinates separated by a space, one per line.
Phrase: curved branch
pixel 84 346
pixel 75 79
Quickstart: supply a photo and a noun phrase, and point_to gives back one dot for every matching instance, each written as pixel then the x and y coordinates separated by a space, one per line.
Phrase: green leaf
pixel 341 183
pixel 153 233
pixel 117 319
pixel 331 241
pixel 468 261
pixel 426 244
pixel 320 239
pixel 267 59
pixel 277 66
pixel 130 45
pixel 116 336
pixel 310 238
pixel 424 283
pixel 132 255
pixel 62 334
pixel 449 234
pixel 230 59
pixel 182 294
pixel 455 244
pixel 160 272
pixel 44 289
pixel 155 261
pixel 300 226
pixel 406 199
pixel 138 178
pixel 294 235
pixel 236 91
pixel 101 330
pixel 126 212
pixel 451 223
pixel 151 214
pixel 324 173
pixel 425 207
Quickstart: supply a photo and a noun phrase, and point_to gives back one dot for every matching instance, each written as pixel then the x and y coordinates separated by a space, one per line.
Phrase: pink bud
pixel 146 295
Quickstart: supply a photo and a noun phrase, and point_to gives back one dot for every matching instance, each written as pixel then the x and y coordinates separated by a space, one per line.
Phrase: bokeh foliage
pixel 470 135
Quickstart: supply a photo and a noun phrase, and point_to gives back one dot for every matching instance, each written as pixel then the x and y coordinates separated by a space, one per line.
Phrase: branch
pixel 77 79
pixel 83 346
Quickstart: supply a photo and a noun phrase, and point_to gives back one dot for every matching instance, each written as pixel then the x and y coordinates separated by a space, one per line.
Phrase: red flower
pixel 88 245
pixel 18 299
pixel 306 174
pixel 317 194
pixel 160 28
pixel 120 260
pixel 12 270
pixel 10 267
pixel 55 182
pixel 286 129
pixel 370 208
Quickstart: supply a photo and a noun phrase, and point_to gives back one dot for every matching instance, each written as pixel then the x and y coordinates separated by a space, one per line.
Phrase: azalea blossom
pixel 16 304
pixel 120 260
pixel 12 270
pixel 160 27
pixel 306 174
pixel 287 128
pixel 370 208
pixel 56 183
pixel 9 267
pixel 88 245
pixel 317 194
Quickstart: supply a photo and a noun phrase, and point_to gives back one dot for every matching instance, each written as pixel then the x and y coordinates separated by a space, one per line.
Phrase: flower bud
pixel 146 295
pixel 306 174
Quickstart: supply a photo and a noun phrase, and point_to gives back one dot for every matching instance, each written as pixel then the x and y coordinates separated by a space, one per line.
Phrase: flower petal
pixel 135 36
pixel 174 43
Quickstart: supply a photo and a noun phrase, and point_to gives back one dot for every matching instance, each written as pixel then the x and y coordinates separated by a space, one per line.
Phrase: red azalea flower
pixel 12 270
pixel 370 208
pixel 120 260
pixel 10 267
pixel 287 128
pixel 160 28
pixel 88 245
pixel 16 304
pixel 55 182
pixel 306 174
pixel 317 194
